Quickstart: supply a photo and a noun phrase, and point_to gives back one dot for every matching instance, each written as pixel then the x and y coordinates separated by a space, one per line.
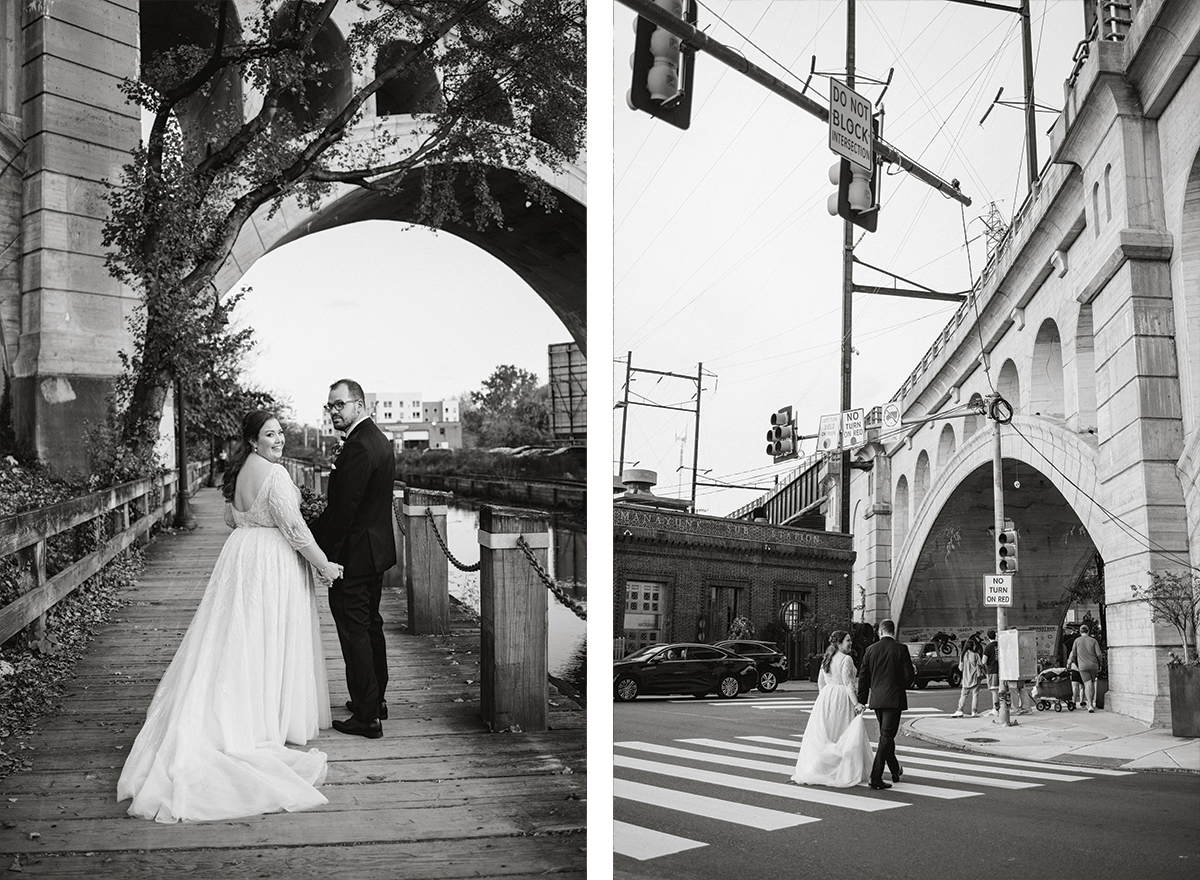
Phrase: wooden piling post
pixel 513 619
pixel 394 577
pixel 426 566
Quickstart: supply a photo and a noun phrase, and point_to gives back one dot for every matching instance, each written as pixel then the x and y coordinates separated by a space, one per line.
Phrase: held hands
pixel 330 572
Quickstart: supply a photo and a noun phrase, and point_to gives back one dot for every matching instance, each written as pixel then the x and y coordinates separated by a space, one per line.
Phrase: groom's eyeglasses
pixel 338 404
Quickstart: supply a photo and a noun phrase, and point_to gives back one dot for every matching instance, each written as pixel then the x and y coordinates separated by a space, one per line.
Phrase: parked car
pixel 772 664
pixel 683 668
pixel 933 664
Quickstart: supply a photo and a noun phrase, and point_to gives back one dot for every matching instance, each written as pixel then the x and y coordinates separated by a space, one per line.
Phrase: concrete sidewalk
pixel 1101 738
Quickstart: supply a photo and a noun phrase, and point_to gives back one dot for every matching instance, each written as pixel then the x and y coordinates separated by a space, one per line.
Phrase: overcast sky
pixel 398 308
pixel 724 252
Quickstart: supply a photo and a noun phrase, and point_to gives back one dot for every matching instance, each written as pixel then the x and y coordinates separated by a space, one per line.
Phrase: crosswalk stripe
pixel 745 783
pixel 645 843
pixel 1018 762
pixel 1000 771
pixel 928 791
pixel 710 808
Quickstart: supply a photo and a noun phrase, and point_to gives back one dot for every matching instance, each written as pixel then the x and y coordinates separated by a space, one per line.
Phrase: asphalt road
pixel 729 802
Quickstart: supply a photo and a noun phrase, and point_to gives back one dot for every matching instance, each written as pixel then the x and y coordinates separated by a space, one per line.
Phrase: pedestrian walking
pixel 835 751
pixel 1085 657
pixel 886 671
pixel 991 669
pixel 973 674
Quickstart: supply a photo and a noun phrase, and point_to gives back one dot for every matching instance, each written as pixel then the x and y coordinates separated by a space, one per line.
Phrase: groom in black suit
pixel 355 529
pixel 886 671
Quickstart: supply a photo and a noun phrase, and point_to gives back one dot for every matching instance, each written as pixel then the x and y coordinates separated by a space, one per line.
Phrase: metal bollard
pixel 426 566
pixel 513 619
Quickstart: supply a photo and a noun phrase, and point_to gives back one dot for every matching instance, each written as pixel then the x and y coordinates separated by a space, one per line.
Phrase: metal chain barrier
pixel 399 517
pixel 559 593
pixel 446 550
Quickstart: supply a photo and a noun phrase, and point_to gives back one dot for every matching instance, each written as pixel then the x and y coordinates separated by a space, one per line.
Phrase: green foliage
pixel 33 670
pixel 741 628
pixel 509 410
pixel 1174 599
pixel 512 96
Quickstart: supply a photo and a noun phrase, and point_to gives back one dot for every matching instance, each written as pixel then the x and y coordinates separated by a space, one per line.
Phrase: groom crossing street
pixel 886 671
pixel 355 529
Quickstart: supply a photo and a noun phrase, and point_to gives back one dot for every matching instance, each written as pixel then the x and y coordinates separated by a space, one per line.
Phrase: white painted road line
pixel 643 843
pixel 710 808
pixel 745 783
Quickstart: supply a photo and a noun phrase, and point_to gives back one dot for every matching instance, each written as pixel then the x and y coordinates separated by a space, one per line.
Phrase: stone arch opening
pixel 1046 379
pixel 487 100
pixel 920 480
pixel 1189 302
pixel 1096 208
pixel 1009 385
pixel 417 90
pixel 328 80
pixel 946 446
pixel 970 426
pixel 900 512
pixel 1107 192
pixel 169 28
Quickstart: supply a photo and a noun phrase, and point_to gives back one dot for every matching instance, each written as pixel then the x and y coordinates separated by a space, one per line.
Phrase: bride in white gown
pixel 835 750
pixel 249 674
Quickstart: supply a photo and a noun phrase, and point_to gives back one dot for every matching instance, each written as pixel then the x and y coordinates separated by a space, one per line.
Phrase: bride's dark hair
pixel 252 425
pixel 835 639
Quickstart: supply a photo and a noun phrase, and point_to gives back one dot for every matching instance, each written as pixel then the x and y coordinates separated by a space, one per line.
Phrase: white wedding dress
pixel 249 676
pixel 835 751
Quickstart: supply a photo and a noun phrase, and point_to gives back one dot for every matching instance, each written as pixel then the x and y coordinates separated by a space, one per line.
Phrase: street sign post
pixel 827 433
pixel 890 421
pixel 854 428
pixel 850 132
pixel 997 590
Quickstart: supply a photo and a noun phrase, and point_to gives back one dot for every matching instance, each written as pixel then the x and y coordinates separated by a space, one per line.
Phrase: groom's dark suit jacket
pixel 886 671
pixel 355 529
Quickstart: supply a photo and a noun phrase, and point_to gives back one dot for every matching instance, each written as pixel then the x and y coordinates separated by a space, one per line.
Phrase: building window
pixel 644 601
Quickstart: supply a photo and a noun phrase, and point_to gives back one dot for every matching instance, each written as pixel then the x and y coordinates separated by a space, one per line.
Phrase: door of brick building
pixel 793 608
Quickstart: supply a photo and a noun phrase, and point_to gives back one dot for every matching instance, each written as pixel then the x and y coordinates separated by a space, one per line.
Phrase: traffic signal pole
pixel 847 301
pixel 998 522
pixel 697 41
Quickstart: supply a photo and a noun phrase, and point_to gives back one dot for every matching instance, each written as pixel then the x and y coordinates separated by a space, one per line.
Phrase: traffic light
pixel 662 69
pixel 1006 550
pixel 782 444
pixel 857 196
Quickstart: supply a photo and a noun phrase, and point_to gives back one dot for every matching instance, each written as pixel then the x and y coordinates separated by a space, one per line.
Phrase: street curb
pixel 1119 763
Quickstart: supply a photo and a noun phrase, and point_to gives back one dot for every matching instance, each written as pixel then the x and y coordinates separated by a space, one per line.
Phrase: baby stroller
pixel 1052 687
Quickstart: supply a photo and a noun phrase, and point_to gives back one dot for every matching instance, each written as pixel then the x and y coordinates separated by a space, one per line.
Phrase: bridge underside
pixel 1054 548
pixel 546 248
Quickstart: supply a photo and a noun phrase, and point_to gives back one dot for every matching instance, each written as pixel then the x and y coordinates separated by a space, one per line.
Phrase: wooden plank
pixel 22 529
pixel 436 797
pixel 15 616
pixel 513 858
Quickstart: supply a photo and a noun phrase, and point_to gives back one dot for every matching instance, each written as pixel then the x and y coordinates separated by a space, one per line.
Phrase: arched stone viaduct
pixel 1088 320
pixel 65 128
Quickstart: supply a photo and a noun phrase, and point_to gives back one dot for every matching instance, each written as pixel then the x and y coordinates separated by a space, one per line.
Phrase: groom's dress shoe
pixel 896 776
pixel 878 786
pixel 382 709
pixel 369 729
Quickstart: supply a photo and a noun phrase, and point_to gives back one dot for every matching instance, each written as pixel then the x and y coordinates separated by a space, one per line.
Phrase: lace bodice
pixel 841 672
pixel 276 507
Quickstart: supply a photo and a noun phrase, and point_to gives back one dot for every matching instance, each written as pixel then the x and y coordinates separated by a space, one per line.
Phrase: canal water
pixel 567 633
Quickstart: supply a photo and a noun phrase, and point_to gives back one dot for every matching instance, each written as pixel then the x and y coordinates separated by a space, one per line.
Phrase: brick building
pixel 679 576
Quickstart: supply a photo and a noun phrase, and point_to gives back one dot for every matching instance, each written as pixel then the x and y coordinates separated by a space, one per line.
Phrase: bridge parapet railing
pixel 50 551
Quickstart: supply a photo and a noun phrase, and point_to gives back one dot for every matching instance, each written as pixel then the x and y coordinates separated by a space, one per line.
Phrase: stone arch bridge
pixel 65 128
pixel 1087 319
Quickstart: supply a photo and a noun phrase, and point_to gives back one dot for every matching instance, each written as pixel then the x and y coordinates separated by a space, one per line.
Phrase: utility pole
pixel 625 411
pixel 998 523
pixel 847 299
pixel 696 439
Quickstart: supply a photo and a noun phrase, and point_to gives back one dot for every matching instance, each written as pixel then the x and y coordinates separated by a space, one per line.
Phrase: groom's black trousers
pixel 889 726
pixel 354 602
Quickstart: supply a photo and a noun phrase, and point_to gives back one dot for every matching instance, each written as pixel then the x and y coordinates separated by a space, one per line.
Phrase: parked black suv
pixel 772 664
pixel 934 661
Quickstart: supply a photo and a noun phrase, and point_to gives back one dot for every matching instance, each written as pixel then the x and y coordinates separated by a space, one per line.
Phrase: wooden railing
pixel 132 509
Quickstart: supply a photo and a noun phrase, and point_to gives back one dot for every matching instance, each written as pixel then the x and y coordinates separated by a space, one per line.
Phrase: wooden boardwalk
pixel 439 796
